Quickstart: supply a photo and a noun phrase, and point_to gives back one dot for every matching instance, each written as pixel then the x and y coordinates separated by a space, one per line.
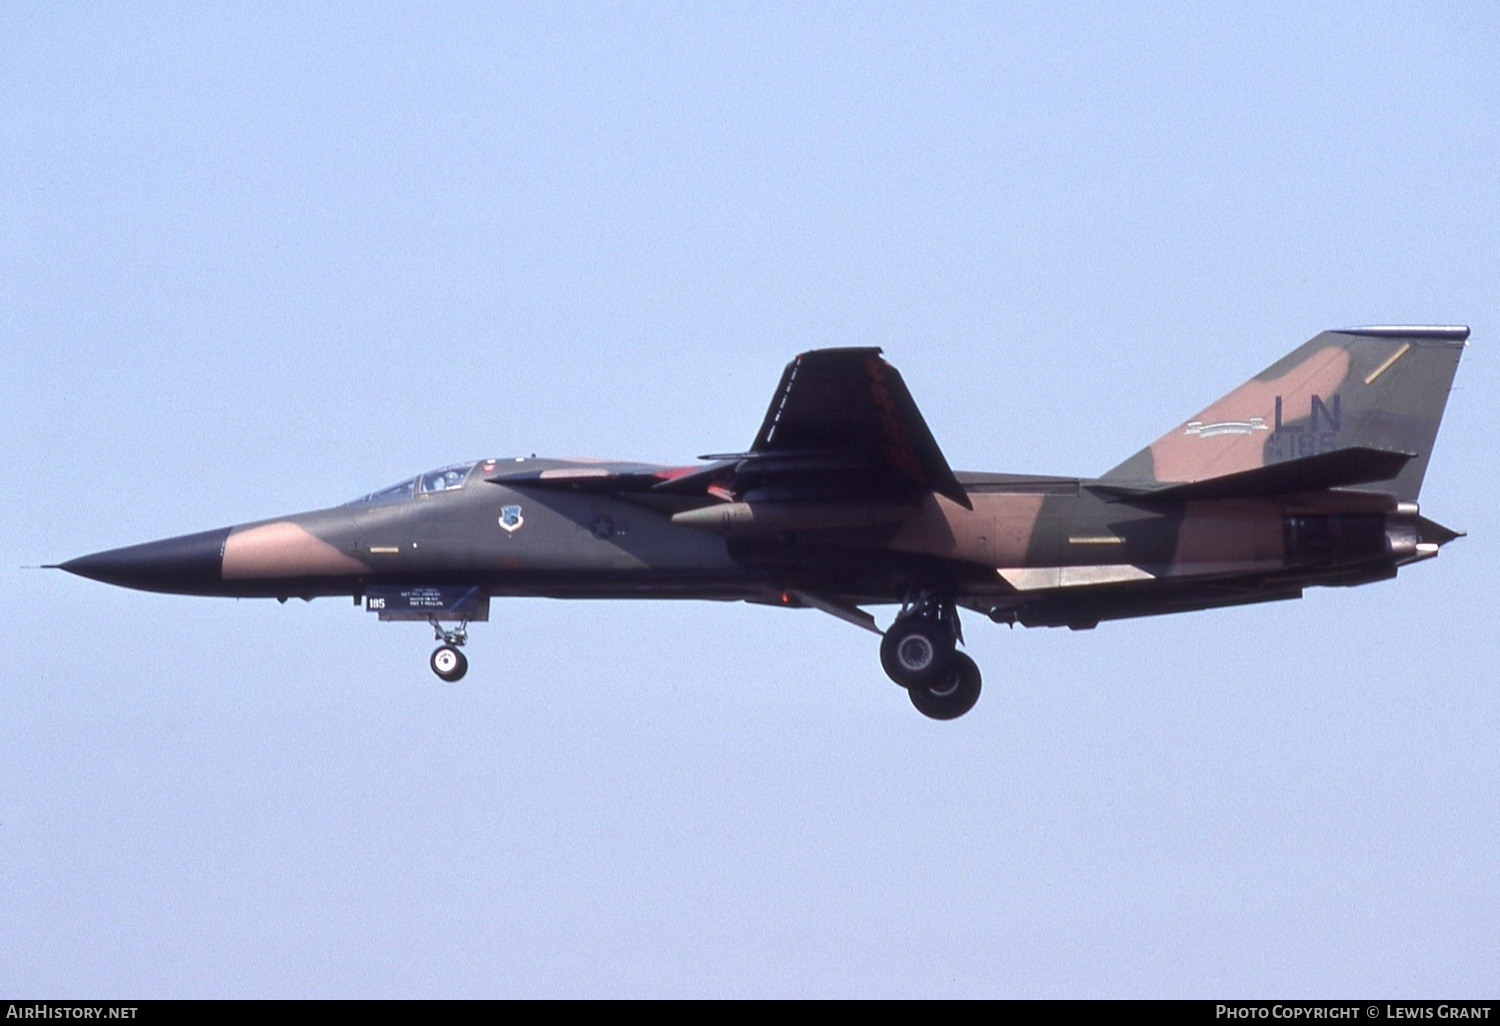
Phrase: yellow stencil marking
pixel 1387 365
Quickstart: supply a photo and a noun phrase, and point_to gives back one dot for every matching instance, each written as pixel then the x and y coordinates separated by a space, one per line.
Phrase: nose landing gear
pixel 447 661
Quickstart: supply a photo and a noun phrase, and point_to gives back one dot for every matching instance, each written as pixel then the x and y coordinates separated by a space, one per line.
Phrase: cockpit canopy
pixel 444 479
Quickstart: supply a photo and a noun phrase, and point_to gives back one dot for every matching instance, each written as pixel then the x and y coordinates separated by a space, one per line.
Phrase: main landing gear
pixel 447 661
pixel 919 653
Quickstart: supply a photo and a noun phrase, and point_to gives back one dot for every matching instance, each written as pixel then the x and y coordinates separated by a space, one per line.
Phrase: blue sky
pixel 258 260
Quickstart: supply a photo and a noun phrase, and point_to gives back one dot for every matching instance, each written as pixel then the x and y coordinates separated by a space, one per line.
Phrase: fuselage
pixel 1033 549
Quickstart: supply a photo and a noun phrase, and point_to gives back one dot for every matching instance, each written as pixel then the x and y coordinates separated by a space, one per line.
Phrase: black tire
pixel 449 663
pixel 917 652
pixel 955 697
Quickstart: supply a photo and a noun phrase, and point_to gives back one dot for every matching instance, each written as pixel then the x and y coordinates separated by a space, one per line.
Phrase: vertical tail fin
pixel 1373 388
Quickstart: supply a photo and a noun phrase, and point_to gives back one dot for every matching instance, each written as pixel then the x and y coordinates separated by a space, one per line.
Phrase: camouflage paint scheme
pixel 1306 474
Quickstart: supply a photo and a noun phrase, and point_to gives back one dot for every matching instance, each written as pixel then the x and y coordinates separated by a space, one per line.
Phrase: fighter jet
pixel 1305 475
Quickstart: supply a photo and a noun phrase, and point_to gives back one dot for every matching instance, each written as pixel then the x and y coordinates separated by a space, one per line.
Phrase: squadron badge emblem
pixel 510 518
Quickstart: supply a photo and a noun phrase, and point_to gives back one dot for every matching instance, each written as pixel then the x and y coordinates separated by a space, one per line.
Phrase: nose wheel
pixel 447 661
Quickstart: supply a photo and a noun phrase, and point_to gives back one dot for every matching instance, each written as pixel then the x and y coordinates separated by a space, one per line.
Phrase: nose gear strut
pixel 447 661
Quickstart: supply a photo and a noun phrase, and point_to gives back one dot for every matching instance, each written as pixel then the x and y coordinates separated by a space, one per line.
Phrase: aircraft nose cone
pixel 188 563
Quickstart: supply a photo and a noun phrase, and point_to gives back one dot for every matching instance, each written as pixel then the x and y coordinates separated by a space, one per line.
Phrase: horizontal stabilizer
pixel 1432 531
pixel 1341 468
